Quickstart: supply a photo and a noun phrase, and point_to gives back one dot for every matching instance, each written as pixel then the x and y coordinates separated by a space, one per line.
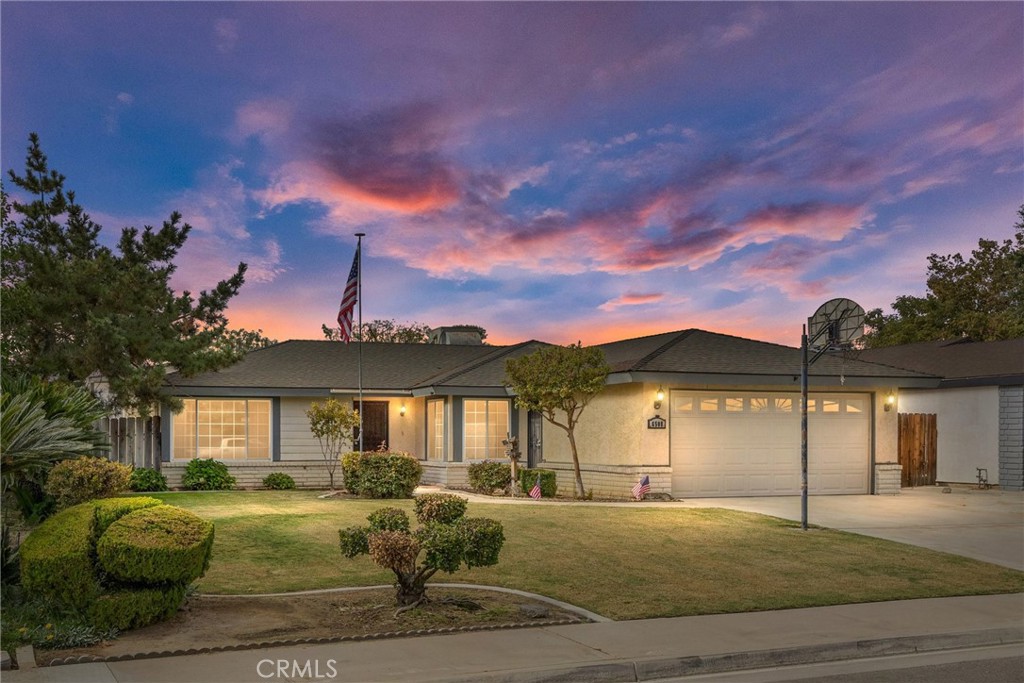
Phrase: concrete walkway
pixel 611 651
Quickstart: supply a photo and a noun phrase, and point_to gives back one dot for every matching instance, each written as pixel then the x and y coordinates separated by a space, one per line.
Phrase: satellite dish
pixel 837 323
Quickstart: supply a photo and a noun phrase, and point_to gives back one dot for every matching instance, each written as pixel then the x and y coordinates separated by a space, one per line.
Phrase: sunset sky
pixel 557 171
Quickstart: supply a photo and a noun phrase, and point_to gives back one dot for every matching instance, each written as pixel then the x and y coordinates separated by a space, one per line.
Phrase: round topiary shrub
pixel 207 475
pixel 445 508
pixel 145 479
pixel 78 480
pixel 278 481
pixel 161 544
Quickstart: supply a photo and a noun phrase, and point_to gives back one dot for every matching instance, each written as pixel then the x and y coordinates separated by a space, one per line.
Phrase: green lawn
pixel 620 562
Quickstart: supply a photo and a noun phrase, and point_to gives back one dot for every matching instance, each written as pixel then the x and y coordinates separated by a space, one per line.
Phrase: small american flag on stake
pixel 535 491
pixel 642 487
pixel 348 300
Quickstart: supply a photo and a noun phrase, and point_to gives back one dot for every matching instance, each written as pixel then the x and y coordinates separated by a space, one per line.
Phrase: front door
pixel 375 425
pixel 535 438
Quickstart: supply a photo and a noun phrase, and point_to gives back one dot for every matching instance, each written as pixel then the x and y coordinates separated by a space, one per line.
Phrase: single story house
pixel 979 405
pixel 702 414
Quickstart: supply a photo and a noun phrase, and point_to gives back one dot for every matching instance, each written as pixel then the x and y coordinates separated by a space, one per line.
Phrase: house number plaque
pixel 657 422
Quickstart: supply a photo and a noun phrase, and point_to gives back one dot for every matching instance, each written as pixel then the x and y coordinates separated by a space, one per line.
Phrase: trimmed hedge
pixel 548 481
pixel 109 510
pixel 135 607
pixel 486 476
pixel 162 544
pixel 57 558
pixel 143 542
pixel 391 474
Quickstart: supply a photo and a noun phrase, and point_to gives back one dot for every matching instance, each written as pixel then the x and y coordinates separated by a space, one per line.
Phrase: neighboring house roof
pixel 960 362
pixel 304 367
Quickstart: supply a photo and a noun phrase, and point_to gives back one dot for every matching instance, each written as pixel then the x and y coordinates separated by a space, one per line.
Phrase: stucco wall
pixel 610 432
pixel 968 426
pixel 613 430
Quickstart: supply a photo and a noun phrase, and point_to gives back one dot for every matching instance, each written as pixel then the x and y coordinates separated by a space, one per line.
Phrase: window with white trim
pixel 435 429
pixel 222 429
pixel 485 427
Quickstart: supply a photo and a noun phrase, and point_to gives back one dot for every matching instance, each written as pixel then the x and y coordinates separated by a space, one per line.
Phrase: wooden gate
pixel 918 436
pixel 133 440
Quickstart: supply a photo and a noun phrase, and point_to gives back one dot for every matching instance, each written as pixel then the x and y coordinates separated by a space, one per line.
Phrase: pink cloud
pixel 817 220
pixel 631 299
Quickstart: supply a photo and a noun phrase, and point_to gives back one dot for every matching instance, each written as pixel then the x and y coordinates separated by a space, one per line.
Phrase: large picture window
pixel 435 429
pixel 486 426
pixel 222 429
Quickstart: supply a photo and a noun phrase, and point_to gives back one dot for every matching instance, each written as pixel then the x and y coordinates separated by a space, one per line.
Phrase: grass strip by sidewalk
pixel 620 562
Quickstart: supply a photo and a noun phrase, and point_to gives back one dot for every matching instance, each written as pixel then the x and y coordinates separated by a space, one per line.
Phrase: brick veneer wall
pixel 609 481
pixel 308 474
pixel 1011 438
pixel 888 478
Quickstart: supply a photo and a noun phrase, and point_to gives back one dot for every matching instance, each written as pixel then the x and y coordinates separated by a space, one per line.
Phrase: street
pixel 999 664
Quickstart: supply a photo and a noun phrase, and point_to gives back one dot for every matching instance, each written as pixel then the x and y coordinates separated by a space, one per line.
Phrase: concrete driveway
pixel 984 525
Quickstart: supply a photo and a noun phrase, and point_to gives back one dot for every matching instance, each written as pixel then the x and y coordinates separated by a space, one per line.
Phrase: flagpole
pixel 359 304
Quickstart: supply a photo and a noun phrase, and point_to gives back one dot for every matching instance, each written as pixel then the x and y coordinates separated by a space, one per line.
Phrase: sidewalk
pixel 610 651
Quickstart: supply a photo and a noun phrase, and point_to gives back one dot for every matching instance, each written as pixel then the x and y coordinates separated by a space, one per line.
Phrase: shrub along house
pixel 703 414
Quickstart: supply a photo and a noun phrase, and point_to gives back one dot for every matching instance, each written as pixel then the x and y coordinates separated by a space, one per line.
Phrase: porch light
pixel 890 401
pixel 401 411
pixel 658 398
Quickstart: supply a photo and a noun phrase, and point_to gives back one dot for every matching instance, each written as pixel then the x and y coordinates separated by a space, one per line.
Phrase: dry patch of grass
pixel 620 562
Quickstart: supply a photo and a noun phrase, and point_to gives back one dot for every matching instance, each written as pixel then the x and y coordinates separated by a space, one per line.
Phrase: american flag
pixel 535 491
pixel 642 487
pixel 348 300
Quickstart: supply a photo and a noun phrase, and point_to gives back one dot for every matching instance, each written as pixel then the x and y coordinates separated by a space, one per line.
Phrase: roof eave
pixel 787 380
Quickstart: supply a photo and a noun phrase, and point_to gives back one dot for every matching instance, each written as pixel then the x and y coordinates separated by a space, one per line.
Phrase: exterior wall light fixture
pixel 890 401
pixel 401 411
pixel 658 398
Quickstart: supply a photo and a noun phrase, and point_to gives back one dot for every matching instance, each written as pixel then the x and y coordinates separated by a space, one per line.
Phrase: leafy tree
pixel 392 332
pixel 73 306
pixel 388 331
pixel 242 341
pixel 981 298
pixel 332 423
pixel 558 380
pixel 446 539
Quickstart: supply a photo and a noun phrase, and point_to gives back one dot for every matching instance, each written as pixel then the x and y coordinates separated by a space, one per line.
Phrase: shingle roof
pixel 701 352
pixel 958 361
pixel 333 365
pixel 325 365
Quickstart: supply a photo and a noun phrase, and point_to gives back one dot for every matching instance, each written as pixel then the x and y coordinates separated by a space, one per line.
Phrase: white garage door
pixel 748 443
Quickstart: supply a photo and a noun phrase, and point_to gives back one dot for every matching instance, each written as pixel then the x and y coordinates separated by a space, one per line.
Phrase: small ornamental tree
pixel 559 381
pixel 332 423
pixel 446 540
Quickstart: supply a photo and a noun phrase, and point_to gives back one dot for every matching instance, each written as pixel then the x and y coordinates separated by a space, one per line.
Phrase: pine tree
pixel 73 307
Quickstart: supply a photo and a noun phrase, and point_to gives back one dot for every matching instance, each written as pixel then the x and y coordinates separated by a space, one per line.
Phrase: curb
pixel 633 671
pixel 157 654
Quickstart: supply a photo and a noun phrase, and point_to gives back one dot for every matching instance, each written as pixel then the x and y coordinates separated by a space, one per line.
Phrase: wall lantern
pixel 401 411
pixel 658 398
pixel 890 401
